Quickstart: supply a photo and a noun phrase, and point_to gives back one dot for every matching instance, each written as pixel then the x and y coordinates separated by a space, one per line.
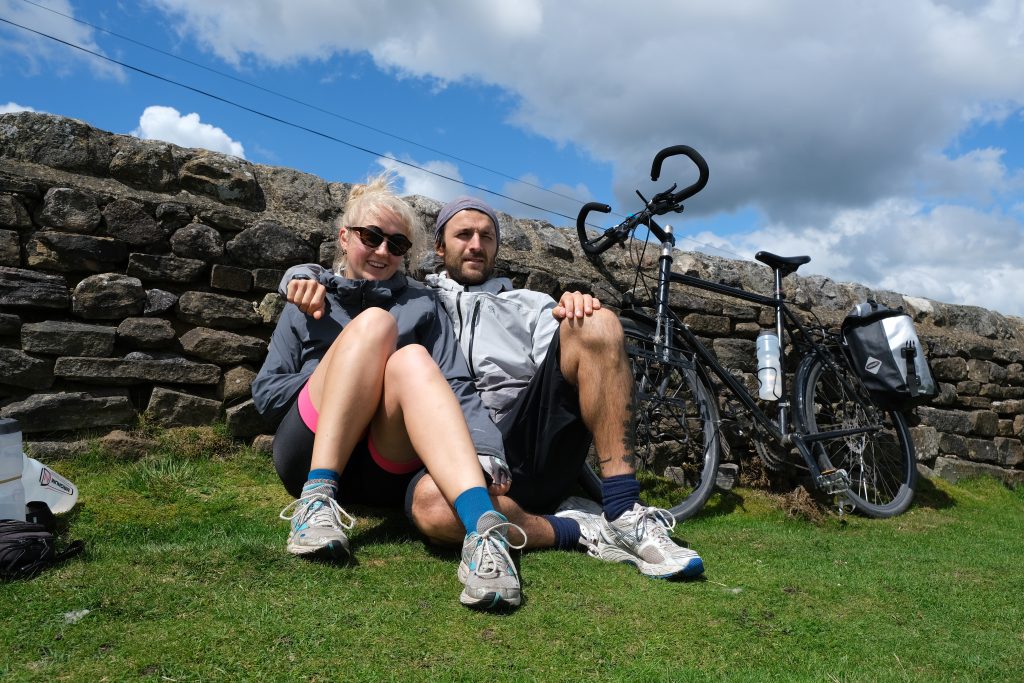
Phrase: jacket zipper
pixel 472 335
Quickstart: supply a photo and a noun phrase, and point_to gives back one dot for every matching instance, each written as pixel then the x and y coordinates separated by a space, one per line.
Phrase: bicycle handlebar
pixel 661 203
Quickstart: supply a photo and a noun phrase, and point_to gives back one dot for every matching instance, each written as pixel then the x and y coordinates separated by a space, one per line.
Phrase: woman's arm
pixel 282 374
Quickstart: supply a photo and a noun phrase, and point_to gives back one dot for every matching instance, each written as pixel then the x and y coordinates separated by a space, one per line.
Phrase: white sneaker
pixel 487 571
pixel 317 529
pixel 587 514
pixel 640 537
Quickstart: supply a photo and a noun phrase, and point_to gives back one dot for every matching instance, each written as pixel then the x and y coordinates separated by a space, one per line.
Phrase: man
pixel 554 375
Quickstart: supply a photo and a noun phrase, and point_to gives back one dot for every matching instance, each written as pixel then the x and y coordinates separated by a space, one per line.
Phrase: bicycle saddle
pixel 784 264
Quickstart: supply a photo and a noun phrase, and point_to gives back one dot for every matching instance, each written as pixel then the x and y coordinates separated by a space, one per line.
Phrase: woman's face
pixel 373 263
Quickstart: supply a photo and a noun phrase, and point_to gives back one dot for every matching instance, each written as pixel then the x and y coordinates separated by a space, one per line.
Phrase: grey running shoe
pixel 640 537
pixel 587 514
pixel 487 572
pixel 317 526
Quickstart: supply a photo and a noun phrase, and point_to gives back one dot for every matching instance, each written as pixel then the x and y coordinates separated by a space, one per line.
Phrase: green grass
pixel 186 579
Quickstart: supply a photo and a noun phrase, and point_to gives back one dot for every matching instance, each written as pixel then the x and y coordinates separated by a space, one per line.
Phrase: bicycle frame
pixel 778 428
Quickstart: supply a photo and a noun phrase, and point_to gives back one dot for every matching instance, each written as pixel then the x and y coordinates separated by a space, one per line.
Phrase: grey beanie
pixel 461 204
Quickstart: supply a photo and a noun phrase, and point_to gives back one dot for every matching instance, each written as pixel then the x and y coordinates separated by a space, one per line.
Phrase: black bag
pixel 27 548
pixel 884 350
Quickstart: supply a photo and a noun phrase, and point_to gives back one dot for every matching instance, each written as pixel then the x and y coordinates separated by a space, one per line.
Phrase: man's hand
pixel 575 305
pixel 308 295
pixel 497 470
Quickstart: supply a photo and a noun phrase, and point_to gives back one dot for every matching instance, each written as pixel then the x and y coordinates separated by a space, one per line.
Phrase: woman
pixel 366 391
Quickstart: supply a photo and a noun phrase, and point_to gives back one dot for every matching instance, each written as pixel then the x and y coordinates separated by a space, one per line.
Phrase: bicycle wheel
pixel 676 423
pixel 881 464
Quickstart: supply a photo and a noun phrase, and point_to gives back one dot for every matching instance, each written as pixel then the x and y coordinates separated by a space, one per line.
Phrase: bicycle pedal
pixel 833 481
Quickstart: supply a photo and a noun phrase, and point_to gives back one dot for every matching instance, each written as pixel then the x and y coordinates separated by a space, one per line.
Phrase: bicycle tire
pixel 676 435
pixel 881 465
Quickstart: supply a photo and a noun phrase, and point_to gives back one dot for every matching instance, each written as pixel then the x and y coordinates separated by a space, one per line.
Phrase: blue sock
pixel 567 532
pixel 322 477
pixel 471 506
pixel 619 494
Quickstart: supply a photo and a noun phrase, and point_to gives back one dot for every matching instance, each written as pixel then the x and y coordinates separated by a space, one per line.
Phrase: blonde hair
pixel 367 200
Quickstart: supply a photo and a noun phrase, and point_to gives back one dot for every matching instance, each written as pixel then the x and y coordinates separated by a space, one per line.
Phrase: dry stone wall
pixel 138 278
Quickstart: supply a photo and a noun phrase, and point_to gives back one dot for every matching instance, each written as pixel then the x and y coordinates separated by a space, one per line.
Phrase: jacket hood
pixel 496 285
pixel 380 293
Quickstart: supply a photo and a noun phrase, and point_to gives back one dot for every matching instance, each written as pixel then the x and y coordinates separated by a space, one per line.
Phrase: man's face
pixel 469 247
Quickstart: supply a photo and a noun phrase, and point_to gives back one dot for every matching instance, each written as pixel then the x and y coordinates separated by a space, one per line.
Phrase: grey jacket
pixel 504 333
pixel 299 342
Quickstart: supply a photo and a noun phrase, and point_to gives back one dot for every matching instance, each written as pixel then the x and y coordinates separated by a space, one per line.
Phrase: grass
pixel 186 579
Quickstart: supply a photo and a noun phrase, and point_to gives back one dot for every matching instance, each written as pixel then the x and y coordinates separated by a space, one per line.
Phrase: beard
pixel 468 273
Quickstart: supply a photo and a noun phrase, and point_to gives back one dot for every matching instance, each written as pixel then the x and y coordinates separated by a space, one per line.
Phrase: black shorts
pixel 362 482
pixel 546 442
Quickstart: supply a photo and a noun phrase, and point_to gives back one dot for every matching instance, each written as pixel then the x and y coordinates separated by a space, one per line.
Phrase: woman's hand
pixel 498 472
pixel 308 295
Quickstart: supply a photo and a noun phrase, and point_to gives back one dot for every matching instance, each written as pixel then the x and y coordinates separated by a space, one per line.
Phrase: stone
pixel 245 422
pixel 953 444
pixel 136 368
pixel 13 215
pixel 271 307
pixel 172 216
pixel 17 185
pixel 225 178
pixel 144 164
pixel 736 354
pixel 57 142
pixel 65 411
pixel 982 450
pixel 266 279
pixel 727 476
pixel 126 446
pixel 151 267
pixel 129 222
pixel 27 288
pixel 197 241
pixel 955 470
pixel 18 369
pixel 70 253
pixel 296 192
pixel 109 296
pixel 145 333
pixel 230 278
pixel 68 210
pixel 171 408
pixel 328 253
pixel 949 369
pixel 984 423
pixel 269 244
pixel 10 249
pixel 52 451
pixel 956 421
pixel 9 324
pixel 61 338
pixel 1018 425
pixel 748 330
pixel 159 301
pixel 264 444
pixel 711 325
pixel 236 385
pixel 1009 451
pixel 539 281
pixel 216 310
pixel 926 442
pixel 222 218
pixel 223 348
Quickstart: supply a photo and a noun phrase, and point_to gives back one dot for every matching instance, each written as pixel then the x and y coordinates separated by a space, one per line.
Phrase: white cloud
pixel 12 107
pixel 425 182
pixel 834 114
pixel 949 252
pixel 167 124
pixel 39 53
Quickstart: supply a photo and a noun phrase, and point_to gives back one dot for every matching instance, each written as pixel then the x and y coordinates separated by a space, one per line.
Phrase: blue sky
pixel 883 139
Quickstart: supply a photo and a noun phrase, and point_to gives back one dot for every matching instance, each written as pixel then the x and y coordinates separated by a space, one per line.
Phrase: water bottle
pixel 12 495
pixel 43 484
pixel 768 366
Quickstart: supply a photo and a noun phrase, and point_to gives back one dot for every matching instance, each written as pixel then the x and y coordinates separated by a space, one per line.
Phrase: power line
pixel 303 103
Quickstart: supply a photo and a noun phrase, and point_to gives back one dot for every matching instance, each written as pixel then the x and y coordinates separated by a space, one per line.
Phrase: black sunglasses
pixel 372 236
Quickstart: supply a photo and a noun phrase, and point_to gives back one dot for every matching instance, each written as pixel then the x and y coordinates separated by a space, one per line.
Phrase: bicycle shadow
pixel 928 495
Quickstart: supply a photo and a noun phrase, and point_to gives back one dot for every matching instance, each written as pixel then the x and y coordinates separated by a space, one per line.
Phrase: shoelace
pixel 651 521
pixel 328 513
pixel 492 551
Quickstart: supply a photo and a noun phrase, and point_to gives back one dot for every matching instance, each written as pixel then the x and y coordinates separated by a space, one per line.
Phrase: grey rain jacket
pixel 504 333
pixel 299 342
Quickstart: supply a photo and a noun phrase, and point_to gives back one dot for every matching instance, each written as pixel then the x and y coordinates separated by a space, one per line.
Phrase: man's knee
pixel 597 332
pixel 432 514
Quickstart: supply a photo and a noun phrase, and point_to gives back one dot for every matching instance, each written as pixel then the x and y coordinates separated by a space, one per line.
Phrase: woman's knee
pixel 374 328
pixel 410 363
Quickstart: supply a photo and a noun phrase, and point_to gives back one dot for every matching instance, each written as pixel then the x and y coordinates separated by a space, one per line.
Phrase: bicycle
pixel 851 447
